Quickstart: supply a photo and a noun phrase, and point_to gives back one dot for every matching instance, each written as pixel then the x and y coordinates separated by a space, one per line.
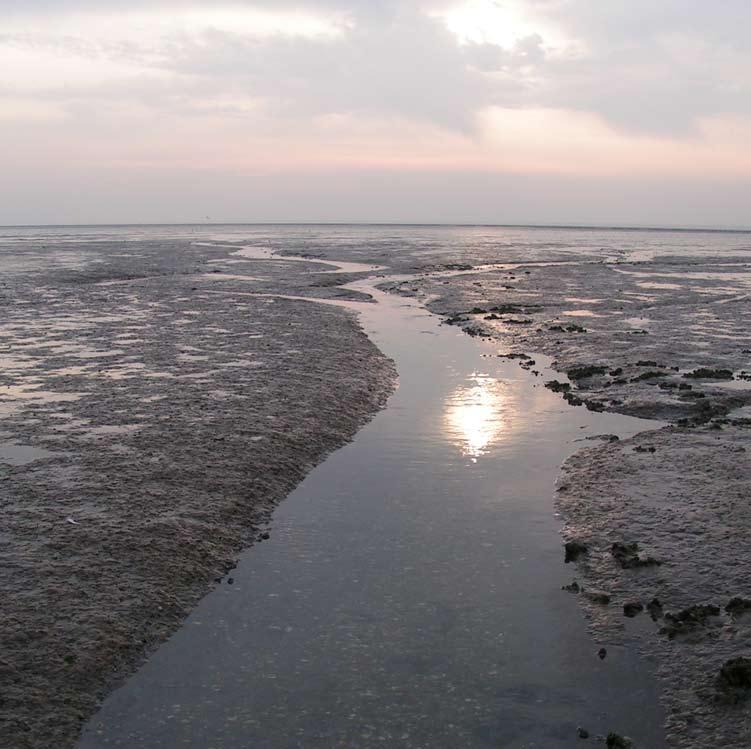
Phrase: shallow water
pixel 410 594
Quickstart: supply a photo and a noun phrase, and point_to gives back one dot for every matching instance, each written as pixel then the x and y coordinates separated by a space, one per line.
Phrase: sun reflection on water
pixel 475 417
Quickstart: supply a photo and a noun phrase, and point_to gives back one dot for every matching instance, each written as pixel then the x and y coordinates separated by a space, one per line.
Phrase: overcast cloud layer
pixel 320 99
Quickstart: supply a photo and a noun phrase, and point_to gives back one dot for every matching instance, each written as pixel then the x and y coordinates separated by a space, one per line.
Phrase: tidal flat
pixel 150 423
pixel 160 395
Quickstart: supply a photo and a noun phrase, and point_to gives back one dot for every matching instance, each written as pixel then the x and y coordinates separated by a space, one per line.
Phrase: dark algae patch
pixel 704 373
pixel 734 680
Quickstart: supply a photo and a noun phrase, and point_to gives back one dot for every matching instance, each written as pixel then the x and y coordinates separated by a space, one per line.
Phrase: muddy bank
pixel 152 415
pixel 681 595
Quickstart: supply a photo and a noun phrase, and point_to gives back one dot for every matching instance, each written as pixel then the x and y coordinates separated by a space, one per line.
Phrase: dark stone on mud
pixel 476 332
pixel 582 733
pixel 518 321
pixel 651 375
pixel 616 741
pixel 524 357
pixel 230 580
pixel 735 678
pixel 265 536
pixel 575 329
pixel 689 619
pixel 602 654
pixel 580 373
pixel 632 609
pixel 649 363
pixel 738 605
pixel 643 449
pixel 572 399
pixel 572 587
pixel 628 556
pixel 574 550
pixel 478 311
pixel 558 387
pixel 654 607
pixel 455 319
pixel 704 373
pixel 598 596
pixel 508 309
pixel 591 405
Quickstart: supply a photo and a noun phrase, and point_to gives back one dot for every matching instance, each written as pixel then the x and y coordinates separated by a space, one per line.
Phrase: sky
pixel 617 112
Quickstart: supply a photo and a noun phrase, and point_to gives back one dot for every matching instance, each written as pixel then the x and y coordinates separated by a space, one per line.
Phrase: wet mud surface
pixel 123 367
pixel 151 418
pixel 680 595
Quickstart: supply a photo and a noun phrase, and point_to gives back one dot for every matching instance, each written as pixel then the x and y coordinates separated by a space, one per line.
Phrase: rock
pixel 265 536
pixel 689 619
pixel 594 405
pixel 704 373
pixel 654 607
pixel 738 605
pixel 523 357
pixel 598 596
pixel 643 449
pixel 735 677
pixel 582 733
pixel 574 550
pixel 628 556
pixel 602 653
pixel 230 580
pixel 580 373
pixel 651 375
pixel 632 608
pixel 572 399
pixel 572 587
pixel 509 309
pixel 615 741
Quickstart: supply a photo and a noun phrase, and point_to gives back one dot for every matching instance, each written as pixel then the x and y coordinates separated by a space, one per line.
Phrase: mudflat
pixel 156 408
pixel 152 416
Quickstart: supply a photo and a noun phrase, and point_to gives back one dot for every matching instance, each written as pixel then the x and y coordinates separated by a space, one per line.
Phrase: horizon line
pixel 581 226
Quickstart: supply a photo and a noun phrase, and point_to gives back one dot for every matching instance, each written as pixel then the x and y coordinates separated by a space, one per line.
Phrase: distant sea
pixel 604 242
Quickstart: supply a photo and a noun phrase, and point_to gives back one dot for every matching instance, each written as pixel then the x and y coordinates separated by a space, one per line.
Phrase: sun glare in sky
pixel 489 22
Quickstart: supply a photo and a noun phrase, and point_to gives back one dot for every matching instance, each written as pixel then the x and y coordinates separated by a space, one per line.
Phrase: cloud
pixel 529 86
pixel 643 66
